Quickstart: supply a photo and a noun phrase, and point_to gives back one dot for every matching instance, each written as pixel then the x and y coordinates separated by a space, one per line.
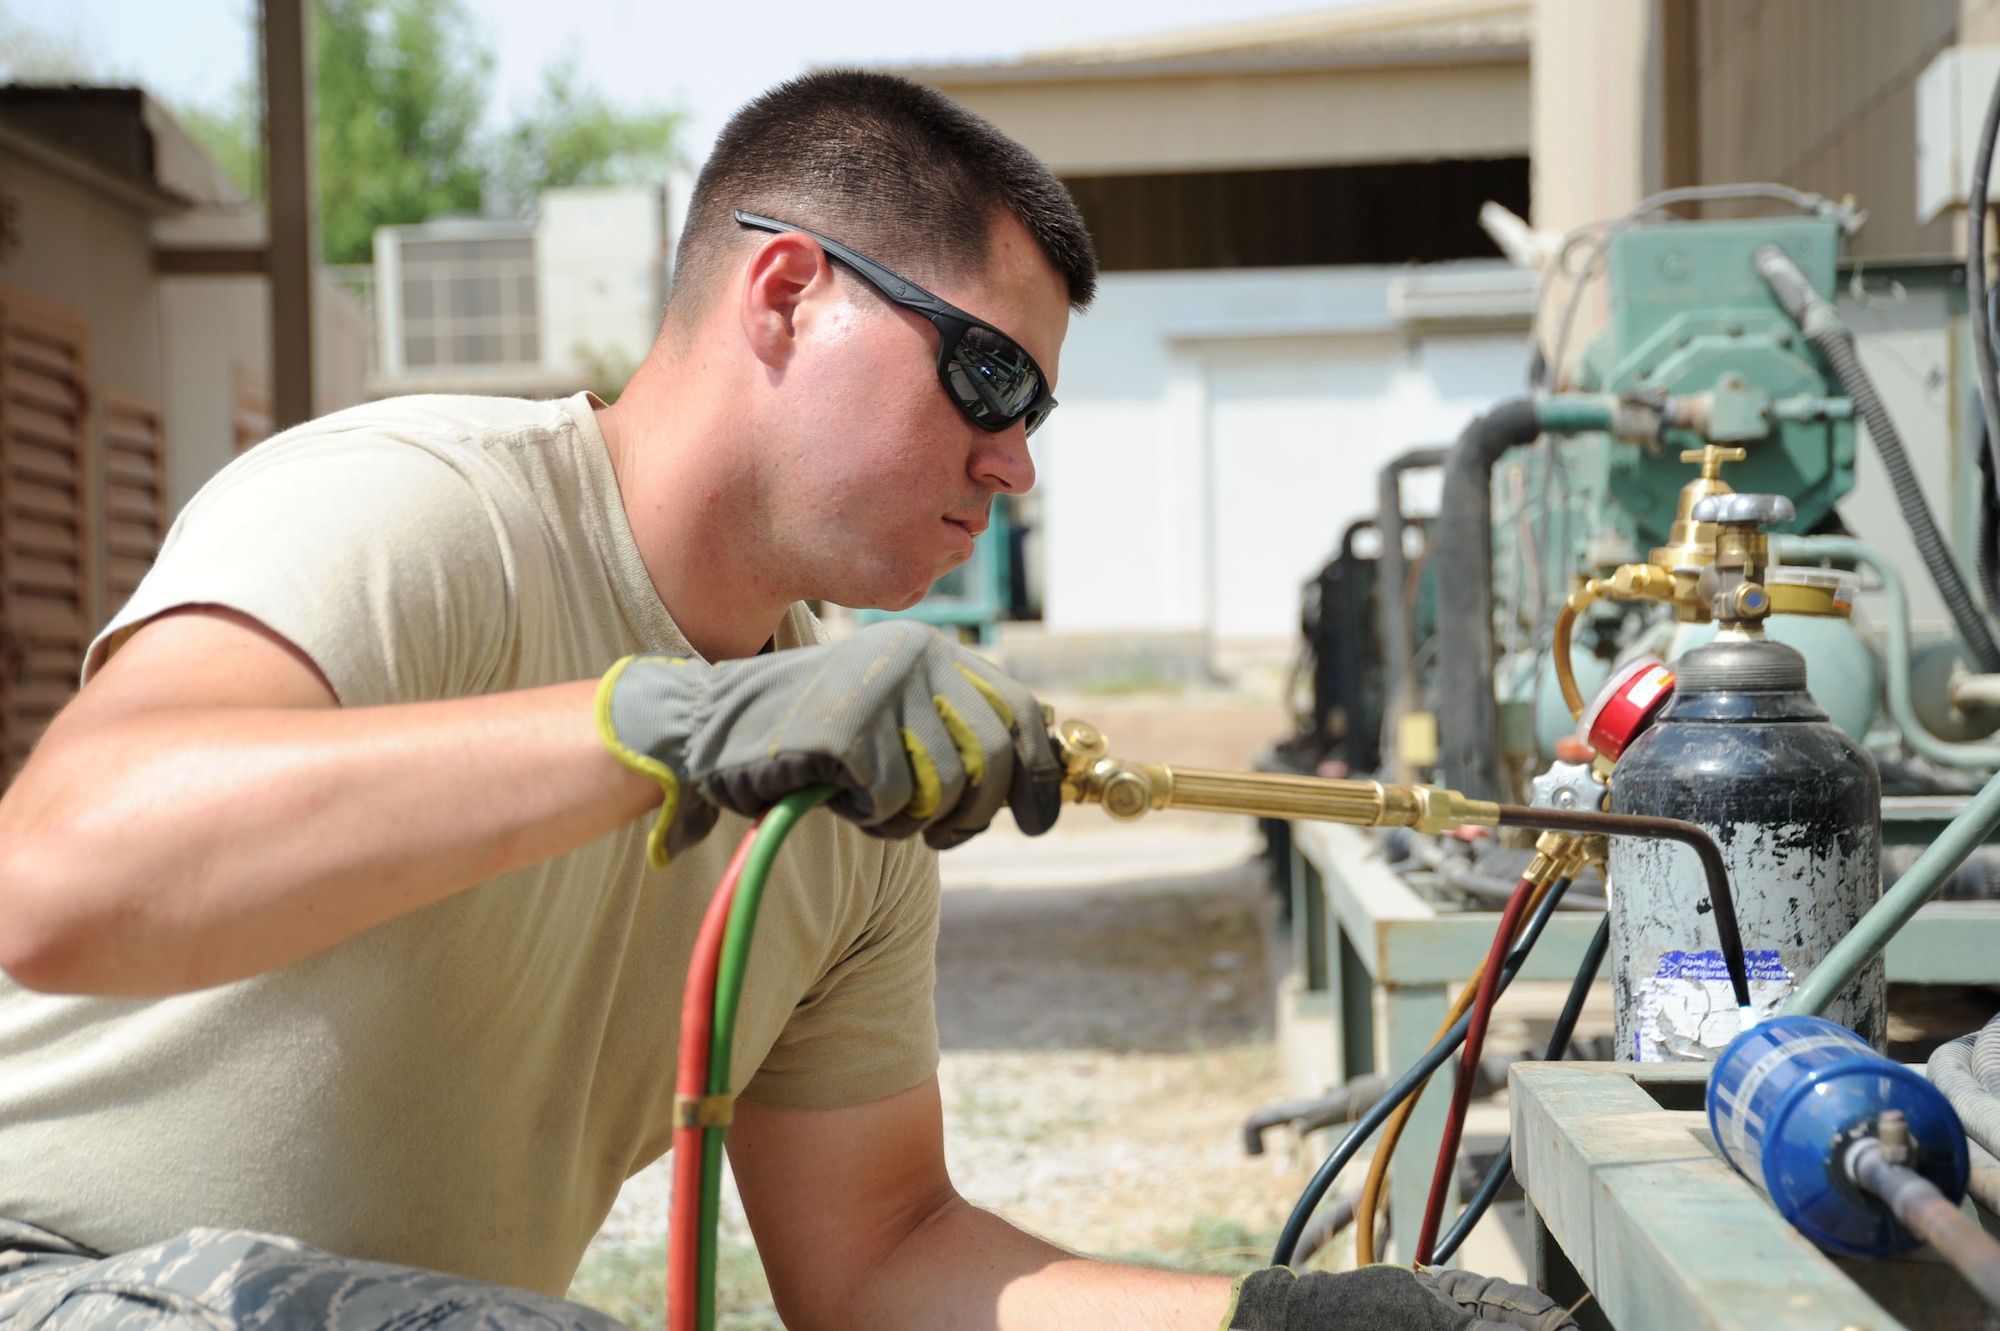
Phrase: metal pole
pixel 1392 598
pixel 288 178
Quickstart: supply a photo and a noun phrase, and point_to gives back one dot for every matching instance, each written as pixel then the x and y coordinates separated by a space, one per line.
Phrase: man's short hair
pixel 896 170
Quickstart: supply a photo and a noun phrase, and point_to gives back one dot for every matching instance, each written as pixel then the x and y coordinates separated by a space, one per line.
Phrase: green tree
pixel 401 88
pixel 401 91
pixel 573 136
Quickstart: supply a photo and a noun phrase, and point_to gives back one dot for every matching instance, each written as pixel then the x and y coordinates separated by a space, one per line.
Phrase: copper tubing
pixel 1660 829
pixel 1930 1215
pixel 1565 668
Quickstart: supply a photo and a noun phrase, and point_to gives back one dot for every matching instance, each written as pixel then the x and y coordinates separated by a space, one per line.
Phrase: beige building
pixel 1343 136
pixel 1296 290
pixel 134 363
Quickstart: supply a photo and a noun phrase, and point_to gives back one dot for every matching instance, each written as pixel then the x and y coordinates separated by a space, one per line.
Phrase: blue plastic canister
pixel 1786 1096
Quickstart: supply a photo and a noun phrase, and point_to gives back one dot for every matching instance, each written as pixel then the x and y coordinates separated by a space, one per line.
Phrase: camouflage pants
pixel 226 1280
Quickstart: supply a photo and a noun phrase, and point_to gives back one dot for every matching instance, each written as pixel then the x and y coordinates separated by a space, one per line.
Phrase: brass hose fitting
pixel 1561 855
pixel 1129 790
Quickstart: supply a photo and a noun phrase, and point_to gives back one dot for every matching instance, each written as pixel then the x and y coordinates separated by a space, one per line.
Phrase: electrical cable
pixel 1558 1048
pixel 1468 1068
pixel 1404 1086
pixel 1392 1132
pixel 1720 898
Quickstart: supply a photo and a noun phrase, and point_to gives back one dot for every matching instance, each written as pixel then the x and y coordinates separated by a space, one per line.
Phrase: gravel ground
pixel 1101 1046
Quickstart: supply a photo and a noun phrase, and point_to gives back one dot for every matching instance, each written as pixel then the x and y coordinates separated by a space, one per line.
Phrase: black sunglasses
pixel 991 376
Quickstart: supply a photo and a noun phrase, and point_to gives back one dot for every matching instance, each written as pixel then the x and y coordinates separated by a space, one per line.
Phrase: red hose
pixel 691 1080
pixel 1461 1091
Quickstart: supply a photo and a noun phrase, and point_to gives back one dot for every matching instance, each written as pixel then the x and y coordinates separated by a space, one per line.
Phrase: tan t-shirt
pixel 466 1087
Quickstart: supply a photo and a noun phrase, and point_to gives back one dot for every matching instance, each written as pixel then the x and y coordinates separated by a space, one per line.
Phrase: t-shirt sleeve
pixel 868 1028
pixel 377 558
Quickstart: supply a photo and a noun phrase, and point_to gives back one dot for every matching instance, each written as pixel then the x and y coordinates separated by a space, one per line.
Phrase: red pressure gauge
pixel 1629 702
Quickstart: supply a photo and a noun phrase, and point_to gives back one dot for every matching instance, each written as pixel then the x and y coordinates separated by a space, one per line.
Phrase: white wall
pixel 1219 430
pixel 599 258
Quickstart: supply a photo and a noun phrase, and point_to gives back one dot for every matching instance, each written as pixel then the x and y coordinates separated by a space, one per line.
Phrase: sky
pixel 705 58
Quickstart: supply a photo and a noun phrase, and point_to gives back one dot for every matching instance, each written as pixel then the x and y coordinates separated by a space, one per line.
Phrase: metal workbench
pixel 1379 955
pixel 1630 1200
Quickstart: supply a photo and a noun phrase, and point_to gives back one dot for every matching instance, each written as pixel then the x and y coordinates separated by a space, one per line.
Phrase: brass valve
pixel 1690 546
pixel 1129 790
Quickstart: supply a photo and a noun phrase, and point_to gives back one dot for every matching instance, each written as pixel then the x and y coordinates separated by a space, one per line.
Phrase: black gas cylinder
pixel 1795 805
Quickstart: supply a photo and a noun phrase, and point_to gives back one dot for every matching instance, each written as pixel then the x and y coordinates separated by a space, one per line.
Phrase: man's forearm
pixel 171 849
pixel 967 1267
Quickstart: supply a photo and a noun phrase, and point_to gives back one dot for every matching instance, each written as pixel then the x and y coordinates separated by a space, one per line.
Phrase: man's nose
pixel 1003 462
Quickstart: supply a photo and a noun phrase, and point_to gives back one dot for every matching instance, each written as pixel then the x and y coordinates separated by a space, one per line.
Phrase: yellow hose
pixel 1373 1200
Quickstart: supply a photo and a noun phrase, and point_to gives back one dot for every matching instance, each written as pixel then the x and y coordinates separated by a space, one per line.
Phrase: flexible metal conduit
pixel 1468 747
pixel 1796 549
pixel 1967 1070
pixel 1951 1070
pixel 1823 328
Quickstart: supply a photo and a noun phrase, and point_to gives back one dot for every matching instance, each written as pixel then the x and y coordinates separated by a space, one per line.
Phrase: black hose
pixel 1978 300
pixel 1405 1086
pixel 1986 565
pixel 1468 743
pixel 1497 1175
pixel 1823 328
pixel 1344 1104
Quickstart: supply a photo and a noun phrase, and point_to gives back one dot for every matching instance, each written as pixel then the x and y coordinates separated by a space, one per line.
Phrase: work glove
pixel 919 734
pixel 1388 1298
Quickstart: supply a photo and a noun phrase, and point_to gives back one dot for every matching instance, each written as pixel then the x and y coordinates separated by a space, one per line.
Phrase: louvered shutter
pixel 46 611
pixel 135 492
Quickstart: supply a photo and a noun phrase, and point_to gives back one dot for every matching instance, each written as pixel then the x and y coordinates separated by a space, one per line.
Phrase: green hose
pixel 735 961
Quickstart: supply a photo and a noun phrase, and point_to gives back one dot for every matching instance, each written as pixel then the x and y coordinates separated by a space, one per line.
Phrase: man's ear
pixel 778 278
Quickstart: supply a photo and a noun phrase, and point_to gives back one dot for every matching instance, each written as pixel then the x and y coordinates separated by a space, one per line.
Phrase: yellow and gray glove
pixel 1389 1298
pixel 919 734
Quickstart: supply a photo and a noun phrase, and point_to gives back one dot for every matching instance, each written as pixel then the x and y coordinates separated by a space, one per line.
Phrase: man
pixel 348 906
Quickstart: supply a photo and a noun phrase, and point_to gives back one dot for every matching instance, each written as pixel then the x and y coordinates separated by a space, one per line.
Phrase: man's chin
pixel 897 590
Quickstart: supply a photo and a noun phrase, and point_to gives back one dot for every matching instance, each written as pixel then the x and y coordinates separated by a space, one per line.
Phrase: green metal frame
pixel 1633 1202
pixel 1392 960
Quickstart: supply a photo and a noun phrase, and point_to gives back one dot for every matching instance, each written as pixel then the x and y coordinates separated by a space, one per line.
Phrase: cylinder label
pixel 1687 1008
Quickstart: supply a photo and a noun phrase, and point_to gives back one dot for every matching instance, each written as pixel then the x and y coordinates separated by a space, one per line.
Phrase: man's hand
pixel 919 734
pixel 1389 1298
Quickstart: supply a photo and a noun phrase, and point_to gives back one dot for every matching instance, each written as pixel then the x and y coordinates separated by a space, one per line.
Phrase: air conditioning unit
pixel 457 299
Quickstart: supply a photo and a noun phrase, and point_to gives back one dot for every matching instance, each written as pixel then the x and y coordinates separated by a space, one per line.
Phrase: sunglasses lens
pixel 992 377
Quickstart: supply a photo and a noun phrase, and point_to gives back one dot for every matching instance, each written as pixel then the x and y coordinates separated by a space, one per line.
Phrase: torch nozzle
pixel 1128 790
